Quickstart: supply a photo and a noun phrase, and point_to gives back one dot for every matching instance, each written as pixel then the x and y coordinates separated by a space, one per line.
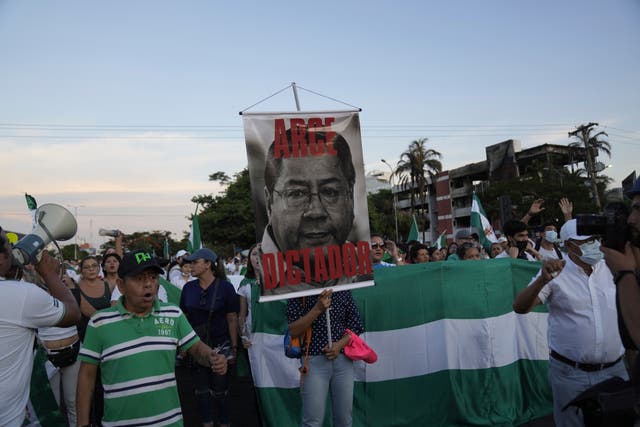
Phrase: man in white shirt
pixel 24 307
pixel 585 347
pixel 547 245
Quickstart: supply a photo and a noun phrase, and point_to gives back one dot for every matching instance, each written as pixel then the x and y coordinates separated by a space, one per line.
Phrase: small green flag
pixel 31 202
pixel 165 249
pixel 413 232
pixel 442 240
pixel 194 236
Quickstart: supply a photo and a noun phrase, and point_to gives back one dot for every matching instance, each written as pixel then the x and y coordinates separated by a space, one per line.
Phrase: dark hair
pixel 107 256
pixel 372 235
pixel 413 252
pixel 88 257
pixel 217 267
pixel 514 226
pixel 463 248
pixel 431 250
pixel 273 166
pixel 251 272
pixel 3 242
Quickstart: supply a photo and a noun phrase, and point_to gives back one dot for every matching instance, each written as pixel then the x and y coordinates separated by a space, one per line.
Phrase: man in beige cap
pixel 585 348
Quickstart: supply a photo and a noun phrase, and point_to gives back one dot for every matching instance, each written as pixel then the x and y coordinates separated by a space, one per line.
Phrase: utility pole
pixel 395 197
pixel 584 131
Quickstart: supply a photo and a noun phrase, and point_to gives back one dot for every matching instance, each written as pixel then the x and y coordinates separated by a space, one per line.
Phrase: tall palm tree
pixel 416 164
pixel 585 137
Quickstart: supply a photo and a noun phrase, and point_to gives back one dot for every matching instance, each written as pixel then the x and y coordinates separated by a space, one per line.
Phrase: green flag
pixel 166 254
pixel 32 205
pixel 442 240
pixel 481 223
pixel 413 232
pixel 194 236
pixel 31 202
pixel 458 337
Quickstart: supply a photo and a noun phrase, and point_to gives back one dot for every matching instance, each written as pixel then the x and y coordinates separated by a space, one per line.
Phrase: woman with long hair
pixel 210 304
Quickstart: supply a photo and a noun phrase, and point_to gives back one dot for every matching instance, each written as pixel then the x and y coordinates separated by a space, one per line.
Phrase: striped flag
pixel 442 240
pixel 450 353
pixel 481 223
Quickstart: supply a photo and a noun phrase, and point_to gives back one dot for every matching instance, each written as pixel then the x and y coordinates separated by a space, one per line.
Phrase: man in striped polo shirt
pixel 134 343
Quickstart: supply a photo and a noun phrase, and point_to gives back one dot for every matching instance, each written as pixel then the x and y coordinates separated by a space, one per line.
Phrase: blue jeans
pixel 568 382
pixel 211 389
pixel 324 375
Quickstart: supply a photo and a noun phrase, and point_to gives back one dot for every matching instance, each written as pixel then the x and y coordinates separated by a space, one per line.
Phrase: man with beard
pixel 310 204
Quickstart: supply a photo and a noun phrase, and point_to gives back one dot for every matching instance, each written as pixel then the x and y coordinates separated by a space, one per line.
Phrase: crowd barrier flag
pixel 450 350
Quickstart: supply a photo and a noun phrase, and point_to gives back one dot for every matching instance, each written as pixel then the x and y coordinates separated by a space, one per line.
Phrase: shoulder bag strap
pixel 213 303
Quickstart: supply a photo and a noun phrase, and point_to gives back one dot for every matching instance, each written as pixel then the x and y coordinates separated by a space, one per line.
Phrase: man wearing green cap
pixel 134 343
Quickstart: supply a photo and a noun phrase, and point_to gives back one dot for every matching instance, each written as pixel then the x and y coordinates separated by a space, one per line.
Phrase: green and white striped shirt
pixel 137 363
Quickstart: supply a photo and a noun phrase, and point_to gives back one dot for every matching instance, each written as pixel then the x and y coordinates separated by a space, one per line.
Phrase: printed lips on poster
pixel 307 182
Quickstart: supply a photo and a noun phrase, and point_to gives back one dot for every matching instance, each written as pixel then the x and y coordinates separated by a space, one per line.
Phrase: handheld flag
pixel 442 240
pixel 32 205
pixel 165 249
pixel 480 221
pixel 194 236
pixel 413 232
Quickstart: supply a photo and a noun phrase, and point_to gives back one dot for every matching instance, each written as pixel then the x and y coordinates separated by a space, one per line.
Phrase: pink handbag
pixel 357 349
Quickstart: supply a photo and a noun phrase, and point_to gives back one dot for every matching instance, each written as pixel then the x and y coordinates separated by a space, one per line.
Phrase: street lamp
pixel 75 213
pixel 395 197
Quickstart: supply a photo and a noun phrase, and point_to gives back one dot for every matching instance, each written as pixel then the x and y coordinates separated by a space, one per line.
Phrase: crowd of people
pixel 112 340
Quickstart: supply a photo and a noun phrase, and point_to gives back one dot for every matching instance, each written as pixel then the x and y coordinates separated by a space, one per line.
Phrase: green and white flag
pixel 32 205
pixel 413 232
pixel 194 242
pixel 480 221
pixel 166 254
pixel 442 240
pixel 451 351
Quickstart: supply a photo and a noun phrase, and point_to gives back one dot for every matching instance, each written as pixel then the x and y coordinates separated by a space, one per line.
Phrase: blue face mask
pixel 591 253
pixel 551 236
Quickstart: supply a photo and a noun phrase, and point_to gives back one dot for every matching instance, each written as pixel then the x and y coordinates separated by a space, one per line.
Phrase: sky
pixel 121 110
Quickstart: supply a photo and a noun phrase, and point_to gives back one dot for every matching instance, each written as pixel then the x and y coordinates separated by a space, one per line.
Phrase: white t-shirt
pixel 24 307
pixel 548 254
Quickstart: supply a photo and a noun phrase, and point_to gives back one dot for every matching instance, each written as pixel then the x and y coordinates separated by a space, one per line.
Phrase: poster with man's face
pixel 307 183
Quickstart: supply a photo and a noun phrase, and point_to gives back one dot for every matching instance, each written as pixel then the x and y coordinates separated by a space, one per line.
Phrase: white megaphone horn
pixel 53 222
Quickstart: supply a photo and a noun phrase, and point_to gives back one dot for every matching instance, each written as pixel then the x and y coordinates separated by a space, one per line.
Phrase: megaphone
pixel 53 222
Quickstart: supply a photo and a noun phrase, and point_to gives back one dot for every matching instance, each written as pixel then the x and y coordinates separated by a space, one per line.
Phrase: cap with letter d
pixel 136 262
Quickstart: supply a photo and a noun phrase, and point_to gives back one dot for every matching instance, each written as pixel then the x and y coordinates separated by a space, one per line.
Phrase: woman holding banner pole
pixel 329 370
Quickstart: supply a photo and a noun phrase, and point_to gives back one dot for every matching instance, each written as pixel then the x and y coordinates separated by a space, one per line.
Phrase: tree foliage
pixel 227 221
pixel 381 215
pixel 550 185
pixel 416 164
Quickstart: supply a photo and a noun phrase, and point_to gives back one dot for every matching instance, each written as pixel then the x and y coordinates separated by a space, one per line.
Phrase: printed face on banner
pixel 311 211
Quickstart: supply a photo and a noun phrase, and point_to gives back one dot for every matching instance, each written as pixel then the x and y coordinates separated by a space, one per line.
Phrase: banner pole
pixel 328 315
pixel 295 95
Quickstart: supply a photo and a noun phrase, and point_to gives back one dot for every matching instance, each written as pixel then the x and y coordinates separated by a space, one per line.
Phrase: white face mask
pixel 591 253
pixel 551 236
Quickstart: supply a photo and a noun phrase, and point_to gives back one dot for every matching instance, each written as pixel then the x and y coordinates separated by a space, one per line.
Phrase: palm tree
pixel 416 164
pixel 586 138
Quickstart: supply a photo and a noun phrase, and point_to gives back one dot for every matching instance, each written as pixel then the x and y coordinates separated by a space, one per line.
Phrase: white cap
pixel 570 231
pixel 181 252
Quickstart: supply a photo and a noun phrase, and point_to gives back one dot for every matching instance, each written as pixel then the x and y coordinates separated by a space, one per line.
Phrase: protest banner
pixel 307 183
pixel 451 351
